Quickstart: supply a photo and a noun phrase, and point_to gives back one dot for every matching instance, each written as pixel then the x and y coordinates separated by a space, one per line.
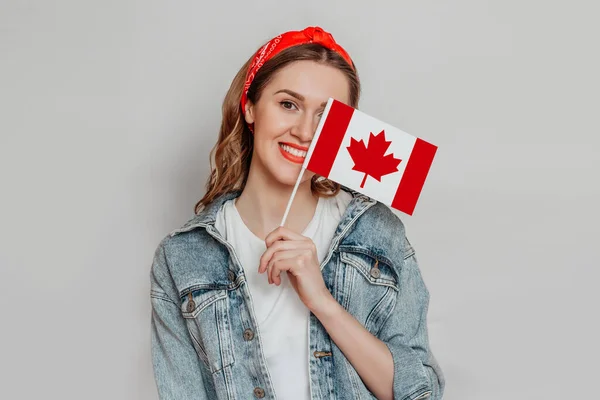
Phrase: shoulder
pixel 191 255
pixel 381 219
pixel 187 248
pixel 379 232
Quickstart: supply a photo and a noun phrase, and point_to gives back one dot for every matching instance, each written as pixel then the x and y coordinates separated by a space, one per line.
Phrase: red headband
pixel 312 34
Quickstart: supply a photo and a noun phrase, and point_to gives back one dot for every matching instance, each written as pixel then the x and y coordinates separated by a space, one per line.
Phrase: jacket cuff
pixel 411 381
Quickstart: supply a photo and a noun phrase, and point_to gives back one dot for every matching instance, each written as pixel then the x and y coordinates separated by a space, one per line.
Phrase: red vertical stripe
pixel 414 176
pixel 330 139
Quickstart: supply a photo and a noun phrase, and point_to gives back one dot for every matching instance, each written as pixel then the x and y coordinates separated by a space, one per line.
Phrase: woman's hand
pixel 297 255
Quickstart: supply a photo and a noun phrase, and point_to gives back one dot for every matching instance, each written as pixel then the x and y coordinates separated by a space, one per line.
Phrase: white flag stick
pixel 289 205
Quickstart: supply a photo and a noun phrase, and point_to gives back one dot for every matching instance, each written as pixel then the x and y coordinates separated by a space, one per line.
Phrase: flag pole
pixel 289 205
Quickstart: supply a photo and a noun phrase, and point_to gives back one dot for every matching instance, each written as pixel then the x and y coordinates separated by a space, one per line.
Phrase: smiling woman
pixel 330 306
pixel 316 51
pixel 285 116
pixel 293 152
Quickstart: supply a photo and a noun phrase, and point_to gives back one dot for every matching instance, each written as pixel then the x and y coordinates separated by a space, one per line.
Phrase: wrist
pixel 326 307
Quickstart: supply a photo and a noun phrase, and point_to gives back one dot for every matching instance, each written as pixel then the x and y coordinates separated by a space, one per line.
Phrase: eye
pixel 288 105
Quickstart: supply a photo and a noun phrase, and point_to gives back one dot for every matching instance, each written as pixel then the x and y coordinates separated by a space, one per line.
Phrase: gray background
pixel 109 110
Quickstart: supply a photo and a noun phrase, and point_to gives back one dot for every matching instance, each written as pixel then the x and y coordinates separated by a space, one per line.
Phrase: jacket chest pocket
pixel 206 312
pixel 369 288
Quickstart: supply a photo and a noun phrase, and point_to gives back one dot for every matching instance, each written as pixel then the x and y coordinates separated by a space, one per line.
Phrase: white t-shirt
pixel 282 317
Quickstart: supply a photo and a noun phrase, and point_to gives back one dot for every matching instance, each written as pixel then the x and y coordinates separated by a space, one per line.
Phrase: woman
pixel 330 306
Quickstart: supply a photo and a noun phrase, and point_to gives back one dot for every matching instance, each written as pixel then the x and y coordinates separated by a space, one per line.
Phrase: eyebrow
pixel 296 95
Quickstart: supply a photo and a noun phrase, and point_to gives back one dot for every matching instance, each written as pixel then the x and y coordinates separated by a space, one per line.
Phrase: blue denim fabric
pixel 205 341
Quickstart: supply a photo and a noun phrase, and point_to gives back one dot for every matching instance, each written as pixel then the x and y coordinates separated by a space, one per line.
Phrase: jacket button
pixel 191 305
pixel 248 334
pixel 259 392
pixel 375 272
pixel 231 275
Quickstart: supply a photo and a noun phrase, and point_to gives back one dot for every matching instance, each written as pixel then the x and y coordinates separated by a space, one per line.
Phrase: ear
pixel 249 112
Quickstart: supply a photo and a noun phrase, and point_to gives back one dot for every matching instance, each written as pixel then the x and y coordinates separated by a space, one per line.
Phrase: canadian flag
pixel 370 156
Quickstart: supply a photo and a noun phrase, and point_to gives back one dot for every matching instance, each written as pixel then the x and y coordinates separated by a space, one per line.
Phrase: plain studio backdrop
pixel 109 110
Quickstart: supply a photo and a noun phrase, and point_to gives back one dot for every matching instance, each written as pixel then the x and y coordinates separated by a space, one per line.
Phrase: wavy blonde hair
pixel 231 156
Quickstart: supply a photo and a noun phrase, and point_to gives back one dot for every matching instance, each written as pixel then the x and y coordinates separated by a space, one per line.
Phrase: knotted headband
pixel 312 34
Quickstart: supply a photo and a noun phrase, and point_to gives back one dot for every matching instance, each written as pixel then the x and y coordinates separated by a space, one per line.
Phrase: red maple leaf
pixel 370 159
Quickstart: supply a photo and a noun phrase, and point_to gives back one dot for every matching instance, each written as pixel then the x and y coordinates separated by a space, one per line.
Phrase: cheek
pixel 274 122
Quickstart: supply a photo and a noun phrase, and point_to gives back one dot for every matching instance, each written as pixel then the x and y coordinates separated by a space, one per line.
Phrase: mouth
pixel 293 153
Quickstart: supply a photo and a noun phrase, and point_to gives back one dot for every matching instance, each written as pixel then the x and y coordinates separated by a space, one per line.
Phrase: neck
pixel 262 204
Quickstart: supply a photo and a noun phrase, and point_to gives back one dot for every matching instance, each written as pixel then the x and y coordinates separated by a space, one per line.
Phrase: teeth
pixel 291 150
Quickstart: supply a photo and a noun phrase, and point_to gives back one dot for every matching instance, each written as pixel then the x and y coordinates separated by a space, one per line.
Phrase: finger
pixel 271 264
pixel 280 266
pixel 293 262
pixel 279 257
pixel 279 246
pixel 267 256
pixel 282 233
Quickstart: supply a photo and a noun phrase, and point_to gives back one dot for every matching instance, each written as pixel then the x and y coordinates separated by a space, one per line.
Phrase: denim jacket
pixel 205 340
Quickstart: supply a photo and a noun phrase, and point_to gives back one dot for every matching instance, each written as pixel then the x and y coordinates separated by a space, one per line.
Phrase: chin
pixel 287 177
pixel 288 174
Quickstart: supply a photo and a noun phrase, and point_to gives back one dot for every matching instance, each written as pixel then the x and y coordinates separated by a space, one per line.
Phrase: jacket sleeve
pixel 177 368
pixel 417 375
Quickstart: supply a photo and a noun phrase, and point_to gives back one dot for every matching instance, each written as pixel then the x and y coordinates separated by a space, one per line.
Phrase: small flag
pixel 370 156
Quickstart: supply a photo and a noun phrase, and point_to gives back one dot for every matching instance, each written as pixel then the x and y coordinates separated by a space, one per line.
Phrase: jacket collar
pixel 208 215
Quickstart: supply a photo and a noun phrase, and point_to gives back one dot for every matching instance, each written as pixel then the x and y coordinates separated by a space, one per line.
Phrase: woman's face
pixel 286 116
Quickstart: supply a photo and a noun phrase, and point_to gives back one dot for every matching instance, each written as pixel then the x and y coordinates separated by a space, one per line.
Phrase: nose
pixel 305 127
